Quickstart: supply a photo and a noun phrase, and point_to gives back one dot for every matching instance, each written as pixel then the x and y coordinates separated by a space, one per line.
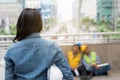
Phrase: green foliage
pixel 88 22
pixel 49 23
pixel 118 29
pixel 11 32
pixel 116 35
pixel 118 22
pixel 13 29
pixel 103 28
pixel 93 22
pixel 3 32
pixel 87 27
pixel 103 23
pixel 86 19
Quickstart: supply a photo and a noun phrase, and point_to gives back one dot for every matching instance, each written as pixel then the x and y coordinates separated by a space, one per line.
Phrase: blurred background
pixel 92 22
pixel 64 16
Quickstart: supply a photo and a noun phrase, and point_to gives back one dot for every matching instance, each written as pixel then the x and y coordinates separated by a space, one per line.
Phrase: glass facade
pixel 104 10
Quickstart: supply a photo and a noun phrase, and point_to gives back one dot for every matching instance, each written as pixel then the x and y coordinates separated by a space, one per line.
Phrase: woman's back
pixel 30 56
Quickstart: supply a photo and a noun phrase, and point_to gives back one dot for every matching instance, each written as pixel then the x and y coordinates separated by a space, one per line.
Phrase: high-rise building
pixel 104 10
pixel 10 10
pixel 32 4
pixel 88 9
pixel 47 8
pixel 49 13
pixel 119 8
pixel 115 13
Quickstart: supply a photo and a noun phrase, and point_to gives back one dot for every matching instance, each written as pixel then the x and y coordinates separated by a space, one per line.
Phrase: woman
pixel 74 59
pixel 30 56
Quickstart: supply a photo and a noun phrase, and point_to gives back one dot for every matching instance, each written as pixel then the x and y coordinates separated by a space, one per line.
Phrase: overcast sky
pixel 65 9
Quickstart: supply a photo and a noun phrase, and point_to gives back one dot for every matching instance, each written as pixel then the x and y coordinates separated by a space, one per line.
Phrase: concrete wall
pixel 107 52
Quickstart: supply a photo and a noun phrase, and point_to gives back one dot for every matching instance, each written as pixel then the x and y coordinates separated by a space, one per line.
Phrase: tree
pixel 103 28
pixel 12 30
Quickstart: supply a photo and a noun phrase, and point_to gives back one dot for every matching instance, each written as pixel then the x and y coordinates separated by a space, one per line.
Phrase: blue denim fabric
pixel 102 70
pixel 30 58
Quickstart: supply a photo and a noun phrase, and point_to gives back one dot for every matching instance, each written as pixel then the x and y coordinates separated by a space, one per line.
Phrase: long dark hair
pixel 29 22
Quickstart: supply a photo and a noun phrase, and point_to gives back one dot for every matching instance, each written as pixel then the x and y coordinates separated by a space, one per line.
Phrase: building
pixel 88 9
pixel 10 9
pixel 47 8
pixel 116 14
pixel 32 4
pixel 9 12
pixel 119 7
pixel 119 11
pixel 49 13
pixel 104 10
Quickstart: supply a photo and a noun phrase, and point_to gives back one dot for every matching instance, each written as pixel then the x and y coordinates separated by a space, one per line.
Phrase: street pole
pixel 115 15
pixel 79 15
pixel 23 4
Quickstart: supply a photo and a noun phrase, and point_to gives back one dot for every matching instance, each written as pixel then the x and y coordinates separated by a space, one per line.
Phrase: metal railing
pixel 84 38
pixel 66 39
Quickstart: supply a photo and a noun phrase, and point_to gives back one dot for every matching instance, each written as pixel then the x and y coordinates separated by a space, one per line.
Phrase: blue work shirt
pixel 88 66
pixel 30 58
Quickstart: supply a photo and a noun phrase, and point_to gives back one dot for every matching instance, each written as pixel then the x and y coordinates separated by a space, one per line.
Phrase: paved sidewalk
pixel 113 75
pixel 2 73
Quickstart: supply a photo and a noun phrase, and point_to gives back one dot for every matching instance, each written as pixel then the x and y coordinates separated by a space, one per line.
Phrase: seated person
pixel 91 61
pixel 74 59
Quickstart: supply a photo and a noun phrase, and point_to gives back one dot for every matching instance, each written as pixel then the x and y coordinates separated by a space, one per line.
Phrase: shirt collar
pixel 33 35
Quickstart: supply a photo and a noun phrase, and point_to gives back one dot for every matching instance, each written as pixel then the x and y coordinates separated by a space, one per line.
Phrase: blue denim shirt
pixel 30 58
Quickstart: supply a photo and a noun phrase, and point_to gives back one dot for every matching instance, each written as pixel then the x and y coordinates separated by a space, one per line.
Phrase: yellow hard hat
pixel 83 47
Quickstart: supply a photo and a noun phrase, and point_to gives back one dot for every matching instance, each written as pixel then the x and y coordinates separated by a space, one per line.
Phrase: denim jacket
pixel 30 58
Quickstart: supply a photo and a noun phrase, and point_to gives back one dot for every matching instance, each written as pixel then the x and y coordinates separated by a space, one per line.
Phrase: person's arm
pixel 95 65
pixel 70 60
pixel 87 66
pixel 9 69
pixel 98 61
pixel 63 65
